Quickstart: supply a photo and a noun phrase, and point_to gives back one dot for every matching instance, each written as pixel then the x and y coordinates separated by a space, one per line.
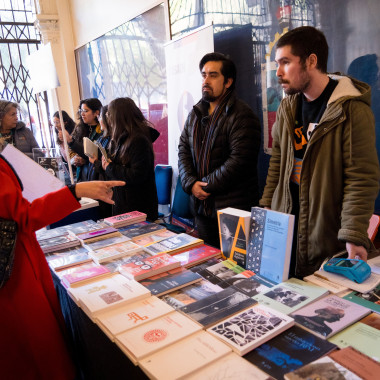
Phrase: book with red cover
pixel 83 274
pixel 149 267
pixel 125 219
pixel 197 255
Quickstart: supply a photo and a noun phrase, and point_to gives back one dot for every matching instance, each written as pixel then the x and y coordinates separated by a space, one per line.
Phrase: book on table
pixel 190 293
pixel 82 274
pixel 332 287
pixel 58 243
pixel 144 340
pixel 233 227
pixel 250 328
pixel 141 229
pixel 286 352
pixel 90 148
pixel 174 244
pixel 290 295
pixel 374 263
pixel 138 270
pixel 100 234
pixel 125 219
pixel 184 357
pixel 123 318
pixel 106 242
pixel 115 251
pixel 212 309
pixel 363 335
pixel 68 257
pixel 270 243
pixel 371 300
pixel 146 240
pixel 221 271
pixel 115 264
pixel 197 255
pixel 329 315
pixel 232 366
pixel 108 293
pixel 169 281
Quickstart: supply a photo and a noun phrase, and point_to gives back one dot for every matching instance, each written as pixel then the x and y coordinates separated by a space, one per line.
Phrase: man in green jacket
pixel 324 167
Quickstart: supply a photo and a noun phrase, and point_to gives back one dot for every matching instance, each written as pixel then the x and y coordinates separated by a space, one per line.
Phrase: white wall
pixel 93 18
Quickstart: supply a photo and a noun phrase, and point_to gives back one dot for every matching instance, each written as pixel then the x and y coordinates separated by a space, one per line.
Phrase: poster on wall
pixel 184 82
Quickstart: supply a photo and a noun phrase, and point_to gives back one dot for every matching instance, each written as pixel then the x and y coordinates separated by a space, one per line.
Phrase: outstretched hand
pixel 356 251
pixel 101 190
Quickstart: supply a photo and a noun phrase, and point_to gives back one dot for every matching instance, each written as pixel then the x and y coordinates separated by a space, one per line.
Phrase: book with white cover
pixel 229 367
pixel 108 294
pixel 115 251
pixel 366 286
pixel 290 295
pixel 90 149
pixel 270 243
pixel 184 357
pixel 332 287
pixel 147 339
pixel 374 263
pixel 251 328
pixel 126 317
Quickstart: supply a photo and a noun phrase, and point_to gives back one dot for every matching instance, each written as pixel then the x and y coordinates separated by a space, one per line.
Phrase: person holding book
pixel 324 167
pixel 69 127
pixel 13 131
pixel 218 149
pixel 88 126
pixel 33 341
pixel 132 159
pixel 95 168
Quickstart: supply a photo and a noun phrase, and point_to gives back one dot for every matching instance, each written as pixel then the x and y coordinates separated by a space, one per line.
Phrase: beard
pixel 302 87
pixel 208 97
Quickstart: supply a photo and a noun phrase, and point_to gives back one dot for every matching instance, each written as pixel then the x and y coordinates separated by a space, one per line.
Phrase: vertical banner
pixel 184 82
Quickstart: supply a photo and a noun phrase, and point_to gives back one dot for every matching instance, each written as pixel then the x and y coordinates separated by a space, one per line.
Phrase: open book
pixel 91 148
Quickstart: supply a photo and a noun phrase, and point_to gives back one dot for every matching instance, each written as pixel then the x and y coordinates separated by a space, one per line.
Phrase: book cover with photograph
pixel 233 232
pixel 250 328
pixel 125 219
pixel 270 243
pixel 99 244
pixel 146 240
pixel 184 357
pixel 139 270
pixel 59 243
pixel 329 315
pixel 153 336
pixel 370 299
pixel 212 309
pixel 290 295
pixel 288 351
pixel 174 244
pixel 131 315
pixel 115 264
pixel 141 229
pixel 247 283
pixel 191 293
pixel 67 258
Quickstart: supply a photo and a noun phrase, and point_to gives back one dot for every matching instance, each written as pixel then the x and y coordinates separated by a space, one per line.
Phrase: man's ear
pixel 229 82
pixel 313 61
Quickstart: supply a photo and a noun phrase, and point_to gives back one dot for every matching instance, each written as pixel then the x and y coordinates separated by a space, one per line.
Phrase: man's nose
pixel 279 71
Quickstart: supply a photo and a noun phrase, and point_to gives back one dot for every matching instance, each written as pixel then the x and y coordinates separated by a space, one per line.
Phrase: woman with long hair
pixel 69 127
pixel 132 159
pixel 95 169
pixel 88 126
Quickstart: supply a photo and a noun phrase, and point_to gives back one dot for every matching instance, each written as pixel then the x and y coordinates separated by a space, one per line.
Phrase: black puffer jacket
pixel 232 179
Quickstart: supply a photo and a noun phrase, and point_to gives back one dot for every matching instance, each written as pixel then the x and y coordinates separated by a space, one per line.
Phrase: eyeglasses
pixel 82 111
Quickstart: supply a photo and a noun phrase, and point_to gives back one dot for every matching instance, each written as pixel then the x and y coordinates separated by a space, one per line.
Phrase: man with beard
pixel 218 148
pixel 324 167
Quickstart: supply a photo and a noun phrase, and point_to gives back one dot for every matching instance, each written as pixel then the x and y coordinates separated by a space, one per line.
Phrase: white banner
pixel 184 82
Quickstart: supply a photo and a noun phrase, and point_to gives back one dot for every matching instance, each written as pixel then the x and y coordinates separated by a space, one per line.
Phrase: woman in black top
pixel 132 159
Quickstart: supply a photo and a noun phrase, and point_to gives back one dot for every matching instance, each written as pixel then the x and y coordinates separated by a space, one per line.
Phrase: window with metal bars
pixel 18 39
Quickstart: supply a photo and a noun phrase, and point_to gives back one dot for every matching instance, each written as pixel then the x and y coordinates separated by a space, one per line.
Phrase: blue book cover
pixel 288 351
pixel 270 243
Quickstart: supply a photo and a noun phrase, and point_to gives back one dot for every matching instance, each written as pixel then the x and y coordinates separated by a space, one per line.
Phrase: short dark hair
pixel 228 66
pixel 305 41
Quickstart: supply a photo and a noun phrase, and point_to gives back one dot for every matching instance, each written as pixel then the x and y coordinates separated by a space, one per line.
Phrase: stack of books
pixel 103 233
pixel 125 219
pixel 115 251
pixel 58 243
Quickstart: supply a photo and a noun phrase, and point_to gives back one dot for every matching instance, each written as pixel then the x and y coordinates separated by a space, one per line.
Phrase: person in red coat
pixel 32 331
